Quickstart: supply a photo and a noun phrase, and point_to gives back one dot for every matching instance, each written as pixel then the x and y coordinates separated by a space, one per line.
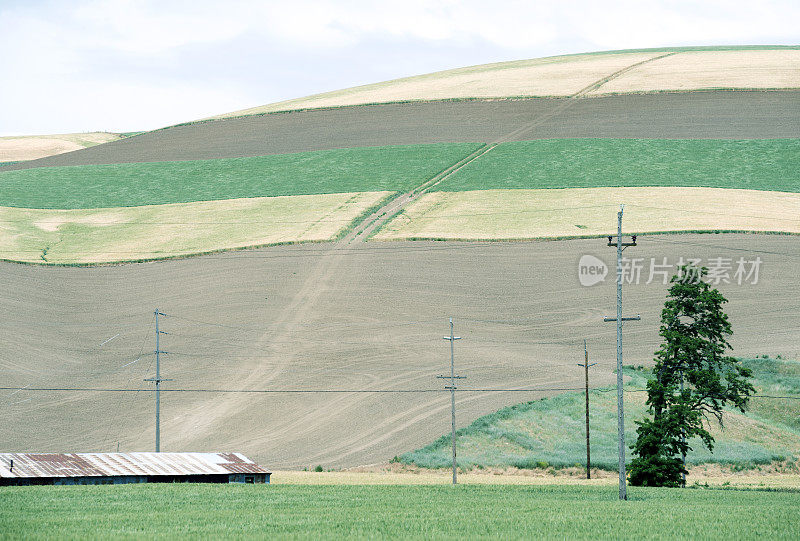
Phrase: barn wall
pixel 256 478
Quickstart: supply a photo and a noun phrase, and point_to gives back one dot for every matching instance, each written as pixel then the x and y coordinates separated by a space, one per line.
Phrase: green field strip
pixel 208 511
pixel 106 235
pixel 551 431
pixel 770 164
pixel 393 168
pixel 766 164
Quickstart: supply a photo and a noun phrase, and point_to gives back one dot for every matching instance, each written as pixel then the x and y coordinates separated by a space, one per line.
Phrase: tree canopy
pixel 695 379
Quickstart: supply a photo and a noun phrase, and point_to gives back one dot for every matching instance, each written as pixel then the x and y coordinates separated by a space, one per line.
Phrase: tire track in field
pixel 570 100
pixel 315 419
pixel 282 331
pixel 301 425
pixel 372 223
pixel 420 412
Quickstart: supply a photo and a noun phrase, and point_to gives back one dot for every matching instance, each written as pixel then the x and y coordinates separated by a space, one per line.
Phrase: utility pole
pixel 157 380
pixel 586 366
pixel 623 495
pixel 452 377
pixel 683 441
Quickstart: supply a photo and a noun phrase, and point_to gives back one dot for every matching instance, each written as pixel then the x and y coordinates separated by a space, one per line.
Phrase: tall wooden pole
pixel 157 380
pixel 452 377
pixel 619 245
pixel 586 366
pixel 588 446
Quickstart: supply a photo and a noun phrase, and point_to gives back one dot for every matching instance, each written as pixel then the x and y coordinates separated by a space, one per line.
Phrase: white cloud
pixel 194 58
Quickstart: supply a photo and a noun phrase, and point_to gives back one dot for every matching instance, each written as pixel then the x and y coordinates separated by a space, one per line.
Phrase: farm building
pixel 120 468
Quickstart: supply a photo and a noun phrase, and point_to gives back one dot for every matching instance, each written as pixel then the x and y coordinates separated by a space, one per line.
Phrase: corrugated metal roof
pixel 114 464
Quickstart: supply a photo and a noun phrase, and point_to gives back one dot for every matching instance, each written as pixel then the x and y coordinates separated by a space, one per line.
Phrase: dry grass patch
pixel 31 147
pixel 157 231
pixel 712 475
pixel 520 214
pixel 386 475
pixel 693 70
pixel 554 76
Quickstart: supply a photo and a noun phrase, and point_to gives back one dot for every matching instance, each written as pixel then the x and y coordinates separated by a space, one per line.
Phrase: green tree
pixel 694 380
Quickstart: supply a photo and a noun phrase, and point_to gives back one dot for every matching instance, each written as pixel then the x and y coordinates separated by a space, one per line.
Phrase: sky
pixel 92 65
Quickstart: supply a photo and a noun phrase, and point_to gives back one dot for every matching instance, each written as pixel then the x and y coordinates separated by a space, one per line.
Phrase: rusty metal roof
pixel 115 464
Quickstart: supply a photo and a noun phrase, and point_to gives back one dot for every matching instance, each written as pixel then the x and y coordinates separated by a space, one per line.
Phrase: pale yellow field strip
pixel 566 75
pixel 430 477
pixel 710 475
pixel 693 70
pixel 31 147
pixel 554 76
pixel 146 232
pixel 521 214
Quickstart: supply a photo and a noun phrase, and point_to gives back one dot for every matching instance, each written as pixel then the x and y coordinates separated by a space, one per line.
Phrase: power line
pixel 118 410
pixel 287 391
pixel 334 391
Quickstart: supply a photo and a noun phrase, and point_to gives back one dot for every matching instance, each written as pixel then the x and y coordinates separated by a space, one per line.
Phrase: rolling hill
pixel 325 351
pixel 647 70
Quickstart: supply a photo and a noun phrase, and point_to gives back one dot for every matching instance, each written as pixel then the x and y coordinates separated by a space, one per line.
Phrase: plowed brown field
pixel 713 115
pixel 362 318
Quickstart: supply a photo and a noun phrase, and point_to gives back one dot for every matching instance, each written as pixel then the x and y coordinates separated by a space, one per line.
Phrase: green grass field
pixel 768 164
pixel 777 378
pixel 394 168
pixel 551 431
pixel 559 163
pixel 419 512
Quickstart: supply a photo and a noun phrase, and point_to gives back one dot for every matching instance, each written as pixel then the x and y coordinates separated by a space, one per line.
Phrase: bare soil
pixel 712 115
pixel 359 318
